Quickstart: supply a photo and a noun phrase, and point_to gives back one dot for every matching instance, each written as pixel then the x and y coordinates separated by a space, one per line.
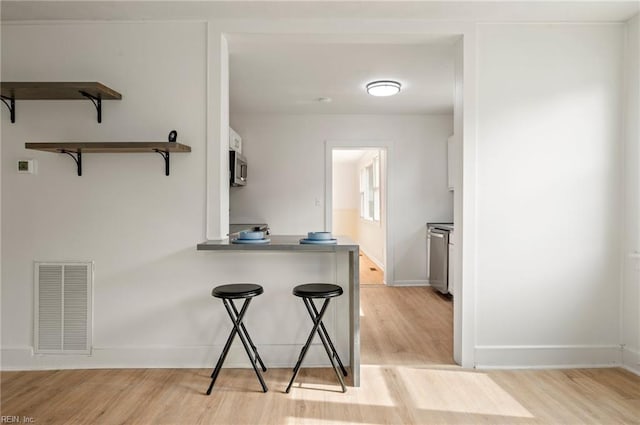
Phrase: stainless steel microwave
pixel 237 169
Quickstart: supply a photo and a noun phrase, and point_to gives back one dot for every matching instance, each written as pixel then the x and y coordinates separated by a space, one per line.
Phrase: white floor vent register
pixel 63 308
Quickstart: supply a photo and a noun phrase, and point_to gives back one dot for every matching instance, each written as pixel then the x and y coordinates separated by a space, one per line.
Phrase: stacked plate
pixel 251 238
pixel 319 238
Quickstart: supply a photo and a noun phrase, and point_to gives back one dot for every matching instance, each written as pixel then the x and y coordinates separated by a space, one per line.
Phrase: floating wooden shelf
pixel 109 147
pixel 57 91
pixel 94 91
pixel 75 150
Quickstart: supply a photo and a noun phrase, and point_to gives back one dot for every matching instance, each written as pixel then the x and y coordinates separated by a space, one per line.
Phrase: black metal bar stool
pixel 228 293
pixel 324 291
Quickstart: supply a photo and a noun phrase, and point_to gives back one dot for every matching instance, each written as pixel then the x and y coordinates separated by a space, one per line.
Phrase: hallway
pixel 370 273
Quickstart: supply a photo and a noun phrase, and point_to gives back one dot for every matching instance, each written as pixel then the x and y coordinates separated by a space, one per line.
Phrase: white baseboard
pixel 285 356
pixel 375 261
pixel 274 356
pixel 547 356
pixel 410 283
pixel 631 360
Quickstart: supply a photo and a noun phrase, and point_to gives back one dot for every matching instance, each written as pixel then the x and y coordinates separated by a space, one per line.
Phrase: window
pixel 370 191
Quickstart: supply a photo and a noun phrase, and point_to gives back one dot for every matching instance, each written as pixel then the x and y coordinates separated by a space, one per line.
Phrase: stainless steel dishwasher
pixel 438 255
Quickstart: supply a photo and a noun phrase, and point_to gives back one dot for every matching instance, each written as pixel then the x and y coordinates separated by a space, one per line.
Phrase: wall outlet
pixel 26 166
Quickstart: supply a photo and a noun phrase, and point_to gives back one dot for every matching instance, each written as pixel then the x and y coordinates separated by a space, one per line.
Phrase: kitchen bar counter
pixel 281 243
pixel 290 247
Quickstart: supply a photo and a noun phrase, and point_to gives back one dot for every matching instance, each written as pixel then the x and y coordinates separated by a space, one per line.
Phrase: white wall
pixel 345 202
pixel 549 194
pixel 217 168
pixel 286 166
pixel 556 286
pixel 346 189
pixel 137 224
pixel 631 242
pixel 371 234
pixel 463 341
pixel 152 303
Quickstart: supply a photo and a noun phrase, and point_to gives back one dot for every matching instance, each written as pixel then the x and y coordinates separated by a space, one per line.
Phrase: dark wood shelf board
pixel 109 147
pixel 57 90
pixel 75 150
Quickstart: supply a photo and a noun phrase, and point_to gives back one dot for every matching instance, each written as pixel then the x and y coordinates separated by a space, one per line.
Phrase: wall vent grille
pixel 63 308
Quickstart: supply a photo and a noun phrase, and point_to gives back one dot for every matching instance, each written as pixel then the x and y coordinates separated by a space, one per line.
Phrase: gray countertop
pixel 280 243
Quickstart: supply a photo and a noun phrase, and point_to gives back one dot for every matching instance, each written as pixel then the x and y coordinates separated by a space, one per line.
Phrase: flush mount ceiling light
pixel 383 88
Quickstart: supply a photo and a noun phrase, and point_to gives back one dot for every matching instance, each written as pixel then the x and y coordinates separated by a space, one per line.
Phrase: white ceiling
pixel 290 75
pixel 285 74
pixel 474 10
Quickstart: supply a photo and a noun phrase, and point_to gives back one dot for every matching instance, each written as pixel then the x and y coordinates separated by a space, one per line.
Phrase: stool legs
pixel 318 327
pixel 241 331
pixel 246 334
pixel 324 330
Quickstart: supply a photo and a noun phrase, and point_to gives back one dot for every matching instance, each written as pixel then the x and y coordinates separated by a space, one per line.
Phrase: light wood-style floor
pixel 370 273
pixel 408 377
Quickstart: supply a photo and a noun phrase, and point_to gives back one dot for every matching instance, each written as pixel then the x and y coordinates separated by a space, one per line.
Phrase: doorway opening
pixel 358 206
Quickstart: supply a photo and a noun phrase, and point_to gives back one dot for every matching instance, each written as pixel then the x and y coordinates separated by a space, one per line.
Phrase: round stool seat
pixel 237 290
pixel 317 290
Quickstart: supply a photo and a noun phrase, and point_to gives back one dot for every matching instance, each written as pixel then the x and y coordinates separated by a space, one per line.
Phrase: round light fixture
pixel 383 88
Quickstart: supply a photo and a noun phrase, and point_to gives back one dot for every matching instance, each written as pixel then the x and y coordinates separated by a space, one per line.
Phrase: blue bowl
pixel 319 236
pixel 250 235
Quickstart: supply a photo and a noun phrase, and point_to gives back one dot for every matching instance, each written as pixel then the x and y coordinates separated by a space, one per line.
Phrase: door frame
pixel 388 147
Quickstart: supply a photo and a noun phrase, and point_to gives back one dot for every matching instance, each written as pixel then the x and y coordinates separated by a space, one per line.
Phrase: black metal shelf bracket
pixel 97 102
pixel 11 105
pixel 165 155
pixel 77 158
